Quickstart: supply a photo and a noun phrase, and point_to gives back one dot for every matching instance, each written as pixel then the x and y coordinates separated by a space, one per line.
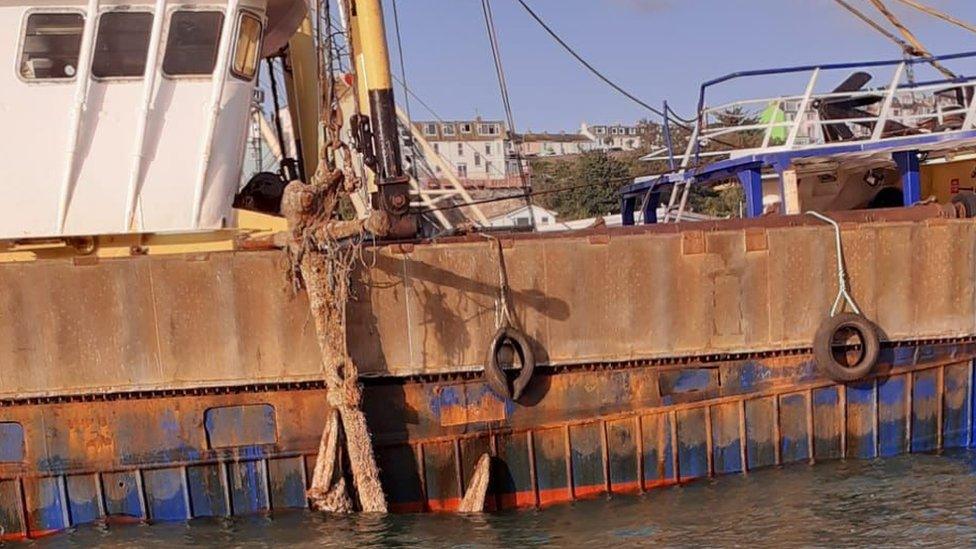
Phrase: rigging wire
pixel 503 89
pixel 677 120
pixel 587 64
pixel 541 192
pixel 406 96
pixel 438 117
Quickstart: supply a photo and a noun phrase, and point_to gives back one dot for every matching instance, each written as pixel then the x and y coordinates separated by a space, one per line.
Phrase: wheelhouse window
pixel 51 45
pixel 245 64
pixel 121 44
pixel 191 46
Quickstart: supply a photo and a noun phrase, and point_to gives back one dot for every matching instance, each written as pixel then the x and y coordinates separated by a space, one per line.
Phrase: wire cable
pixel 503 89
pixel 586 63
pixel 406 96
pixel 677 120
pixel 542 192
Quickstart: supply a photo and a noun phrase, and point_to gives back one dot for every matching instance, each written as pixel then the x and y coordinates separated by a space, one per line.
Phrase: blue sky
pixel 657 49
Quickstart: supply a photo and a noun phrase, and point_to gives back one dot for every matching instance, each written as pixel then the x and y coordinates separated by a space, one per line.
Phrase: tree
pixel 597 175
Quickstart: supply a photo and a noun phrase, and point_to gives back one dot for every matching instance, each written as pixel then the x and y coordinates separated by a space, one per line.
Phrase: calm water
pixel 923 500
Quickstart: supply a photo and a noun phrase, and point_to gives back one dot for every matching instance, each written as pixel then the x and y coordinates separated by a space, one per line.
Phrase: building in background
pixel 555 144
pixel 615 138
pixel 519 215
pixel 478 151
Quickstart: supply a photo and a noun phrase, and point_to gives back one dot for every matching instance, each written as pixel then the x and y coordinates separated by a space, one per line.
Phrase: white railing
pixel 787 122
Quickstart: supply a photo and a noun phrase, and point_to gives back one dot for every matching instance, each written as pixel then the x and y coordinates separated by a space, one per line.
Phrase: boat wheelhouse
pixel 833 144
pixel 129 117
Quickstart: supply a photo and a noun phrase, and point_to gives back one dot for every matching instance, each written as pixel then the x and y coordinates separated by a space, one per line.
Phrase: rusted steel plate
pixel 231 318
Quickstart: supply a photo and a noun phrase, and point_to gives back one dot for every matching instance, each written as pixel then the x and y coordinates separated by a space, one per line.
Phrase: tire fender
pixel 497 377
pixel 823 351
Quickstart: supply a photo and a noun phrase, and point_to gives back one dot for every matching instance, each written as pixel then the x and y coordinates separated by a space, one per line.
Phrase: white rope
pixel 841 271
pixel 503 316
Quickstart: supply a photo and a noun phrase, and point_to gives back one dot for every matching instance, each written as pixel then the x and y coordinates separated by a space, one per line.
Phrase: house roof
pixel 555 137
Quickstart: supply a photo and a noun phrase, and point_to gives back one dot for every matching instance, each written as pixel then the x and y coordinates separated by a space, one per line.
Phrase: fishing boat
pixel 158 364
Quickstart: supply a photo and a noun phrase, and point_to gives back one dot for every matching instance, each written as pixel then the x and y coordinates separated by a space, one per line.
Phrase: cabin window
pixel 246 51
pixel 191 47
pixel 51 45
pixel 121 44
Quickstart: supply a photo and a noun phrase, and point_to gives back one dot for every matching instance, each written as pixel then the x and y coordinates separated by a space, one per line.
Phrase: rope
pixel 876 26
pixel 919 49
pixel 842 294
pixel 503 89
pixel 939 14
pixel 503 313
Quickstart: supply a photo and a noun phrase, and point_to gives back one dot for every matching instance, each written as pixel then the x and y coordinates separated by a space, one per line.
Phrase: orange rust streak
pixel 553 496
pixel 443 505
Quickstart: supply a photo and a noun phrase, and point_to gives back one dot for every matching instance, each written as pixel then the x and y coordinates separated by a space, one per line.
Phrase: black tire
pixel 497 377
pixel 823 350
pixel 968 201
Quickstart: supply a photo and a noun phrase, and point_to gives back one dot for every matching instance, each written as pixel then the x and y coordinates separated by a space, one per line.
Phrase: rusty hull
pixel 147 323
pixel 165 388
pixel 581 432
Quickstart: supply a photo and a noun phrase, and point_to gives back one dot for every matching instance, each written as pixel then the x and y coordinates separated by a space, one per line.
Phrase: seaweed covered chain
pixel 323 250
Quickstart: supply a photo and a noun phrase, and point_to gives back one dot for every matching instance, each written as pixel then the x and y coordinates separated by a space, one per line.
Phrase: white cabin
pixel 123 116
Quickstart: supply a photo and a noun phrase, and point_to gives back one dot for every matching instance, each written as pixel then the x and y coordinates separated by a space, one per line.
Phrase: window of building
pixel 121 44
pixel 600 130
pixel 245 64
pixel 462 170
pixel 191 46
pixel 477 159
pixel 430 129
pixel 51 45
pixel 437 149
pixel 465 128
pixel 460 149
pixel 493 129
pixel 447 129
pixel 483 129
pixel 545 219
pixel 488 149
pixel 521 221
pixel 488 168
